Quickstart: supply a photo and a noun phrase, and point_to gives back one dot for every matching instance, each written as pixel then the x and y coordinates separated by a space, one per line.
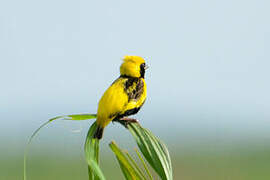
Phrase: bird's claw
pixel 126 121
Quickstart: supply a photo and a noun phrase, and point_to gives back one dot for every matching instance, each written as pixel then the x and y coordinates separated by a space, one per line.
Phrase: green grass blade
pixel 75 117
pixel 28 146
pixel 94 171
pixel 154 151
pixel 135 165
pixel 67 117
pixel 128 170
pixel 124 170
pixel 144 164
pixel 91 149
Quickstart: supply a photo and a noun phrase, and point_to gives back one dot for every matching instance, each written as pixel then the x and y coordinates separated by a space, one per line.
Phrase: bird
pixel 125 96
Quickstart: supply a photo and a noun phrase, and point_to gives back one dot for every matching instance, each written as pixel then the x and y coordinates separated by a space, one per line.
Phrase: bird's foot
pixel 125 121
pixel 130 120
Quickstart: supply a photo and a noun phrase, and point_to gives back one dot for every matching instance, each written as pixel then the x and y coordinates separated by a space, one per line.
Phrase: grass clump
pixel 154 151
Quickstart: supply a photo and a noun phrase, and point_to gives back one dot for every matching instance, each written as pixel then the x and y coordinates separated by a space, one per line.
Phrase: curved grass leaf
pixel 129 170
pixel 144 164
pixel 135 165
pixel 67 117
pixel 154 151
pixel 91 149
pixel 75 117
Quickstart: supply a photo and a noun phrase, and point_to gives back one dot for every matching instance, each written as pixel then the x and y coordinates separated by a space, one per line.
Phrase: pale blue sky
pixel 209 63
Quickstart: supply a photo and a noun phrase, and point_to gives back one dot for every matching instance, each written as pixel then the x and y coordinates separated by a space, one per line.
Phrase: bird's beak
pixel 146 67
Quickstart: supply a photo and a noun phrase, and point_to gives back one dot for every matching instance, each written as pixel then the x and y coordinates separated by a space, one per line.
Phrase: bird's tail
pixel 99 132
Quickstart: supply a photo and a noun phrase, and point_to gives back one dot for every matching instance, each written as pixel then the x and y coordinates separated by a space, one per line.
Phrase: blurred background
pixel 208 83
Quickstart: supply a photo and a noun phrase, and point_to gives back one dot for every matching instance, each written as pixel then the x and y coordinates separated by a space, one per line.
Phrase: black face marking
pixel 142 70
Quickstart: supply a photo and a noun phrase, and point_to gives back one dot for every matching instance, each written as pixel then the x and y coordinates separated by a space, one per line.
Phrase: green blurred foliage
pixel 196 164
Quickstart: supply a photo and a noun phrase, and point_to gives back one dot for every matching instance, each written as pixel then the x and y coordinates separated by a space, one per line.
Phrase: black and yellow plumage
pixel 125 96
